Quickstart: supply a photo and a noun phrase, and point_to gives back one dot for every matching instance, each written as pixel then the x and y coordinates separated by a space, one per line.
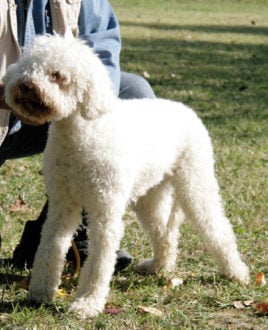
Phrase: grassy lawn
pixel 213 56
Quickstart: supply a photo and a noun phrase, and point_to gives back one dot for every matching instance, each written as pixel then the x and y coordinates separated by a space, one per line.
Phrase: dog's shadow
pixel 8 274
pixel 9 277
pixel 15 306
pixel 11 306
pixel 13 292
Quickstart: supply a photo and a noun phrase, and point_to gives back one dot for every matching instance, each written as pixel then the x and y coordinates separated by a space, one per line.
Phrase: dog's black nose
pixel 25 88
pixel 26 91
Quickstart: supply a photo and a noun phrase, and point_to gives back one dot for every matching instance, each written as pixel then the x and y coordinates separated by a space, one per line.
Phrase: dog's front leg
pixel 56 236
pixel 104 235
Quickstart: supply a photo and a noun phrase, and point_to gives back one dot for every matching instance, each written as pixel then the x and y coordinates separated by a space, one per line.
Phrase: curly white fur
pixel 103 154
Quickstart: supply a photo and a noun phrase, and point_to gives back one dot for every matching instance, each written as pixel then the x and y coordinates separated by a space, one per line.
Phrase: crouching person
pixel 20 22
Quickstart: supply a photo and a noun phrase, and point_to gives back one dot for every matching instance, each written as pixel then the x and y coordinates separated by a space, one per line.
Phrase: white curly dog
pixel 104 154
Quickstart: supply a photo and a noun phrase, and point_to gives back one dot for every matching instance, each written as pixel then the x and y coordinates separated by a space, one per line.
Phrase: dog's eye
pixel 56 76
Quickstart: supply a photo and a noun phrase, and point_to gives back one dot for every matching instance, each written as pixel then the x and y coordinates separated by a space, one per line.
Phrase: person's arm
pixel 99 26
pixel 3 104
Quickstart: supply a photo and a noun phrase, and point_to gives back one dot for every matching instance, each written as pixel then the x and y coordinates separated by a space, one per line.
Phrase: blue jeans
pixel 31 140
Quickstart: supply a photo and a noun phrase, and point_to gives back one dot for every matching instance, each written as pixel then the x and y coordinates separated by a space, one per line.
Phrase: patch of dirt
pixel 237 319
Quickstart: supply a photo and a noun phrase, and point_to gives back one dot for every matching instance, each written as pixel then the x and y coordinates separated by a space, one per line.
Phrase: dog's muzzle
pixel 29 98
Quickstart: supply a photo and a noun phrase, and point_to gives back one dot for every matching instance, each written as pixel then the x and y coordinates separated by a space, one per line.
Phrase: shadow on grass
pixel 20 305
pixel 12 306
pixel 225 81
pixel 240 29
pixel 8 274
pixel 9 278
pixel 17 304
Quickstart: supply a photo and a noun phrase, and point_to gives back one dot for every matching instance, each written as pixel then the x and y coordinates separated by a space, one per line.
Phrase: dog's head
pixel 55 77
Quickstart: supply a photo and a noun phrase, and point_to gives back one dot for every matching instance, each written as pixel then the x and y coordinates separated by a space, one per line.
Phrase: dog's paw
pixel 242 274
pixel 40 295
pixel 239 271
pixel 84 308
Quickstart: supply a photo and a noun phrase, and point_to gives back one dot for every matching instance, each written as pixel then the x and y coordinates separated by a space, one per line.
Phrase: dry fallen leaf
pixel 248 303
pixel 19 205
pixel 113 310
pixel 61 293
pixel 262 307
pixel 260 279
pixel 150 310
pixel 23 284
pixel 173 282
pixel 146 74
pixel 239 304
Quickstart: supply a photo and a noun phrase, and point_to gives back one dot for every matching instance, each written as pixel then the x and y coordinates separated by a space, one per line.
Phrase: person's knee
pixel 134 86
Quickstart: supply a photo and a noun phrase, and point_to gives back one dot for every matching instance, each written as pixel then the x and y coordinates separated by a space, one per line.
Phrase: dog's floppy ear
pixel 98 93
pixel 96 101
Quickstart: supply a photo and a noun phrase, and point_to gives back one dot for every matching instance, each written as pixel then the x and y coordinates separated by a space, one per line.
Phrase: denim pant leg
pixel 133 86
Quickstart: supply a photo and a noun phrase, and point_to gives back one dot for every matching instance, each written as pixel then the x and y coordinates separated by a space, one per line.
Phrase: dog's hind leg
pixel 198 193
pixel 56 236
pixel 161 219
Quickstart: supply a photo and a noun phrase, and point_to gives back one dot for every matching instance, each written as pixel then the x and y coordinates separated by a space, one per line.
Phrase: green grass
pixel 212 55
